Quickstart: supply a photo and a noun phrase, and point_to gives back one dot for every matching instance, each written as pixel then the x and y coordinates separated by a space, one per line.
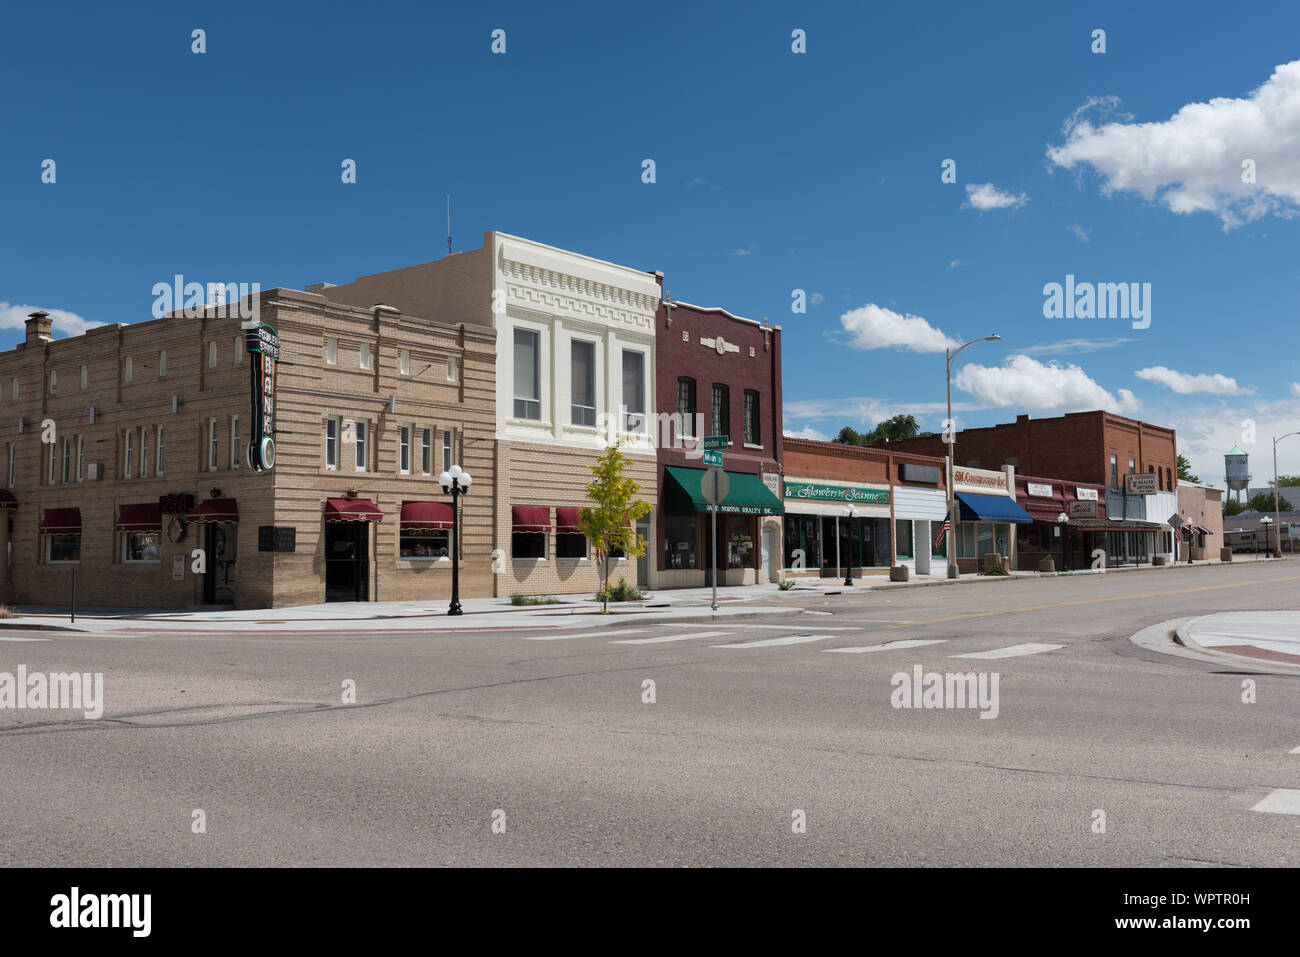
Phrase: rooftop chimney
pixel 40 328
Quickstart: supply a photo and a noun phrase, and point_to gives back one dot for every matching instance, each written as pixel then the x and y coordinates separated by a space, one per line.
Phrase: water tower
pixel 1236 470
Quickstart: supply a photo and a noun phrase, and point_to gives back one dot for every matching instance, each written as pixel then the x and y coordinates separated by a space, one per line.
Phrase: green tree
pixel 1287 481
pixel 1233 507
pixel 1263 502
pixel 848 436
pixel 893 429
pixel 1185 470
pixel 610 524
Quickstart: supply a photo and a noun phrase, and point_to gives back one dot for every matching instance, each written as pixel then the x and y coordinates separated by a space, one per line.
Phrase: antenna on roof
pixel 449 224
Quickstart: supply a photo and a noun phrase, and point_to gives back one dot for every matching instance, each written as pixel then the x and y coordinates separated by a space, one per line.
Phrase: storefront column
pixel 4 553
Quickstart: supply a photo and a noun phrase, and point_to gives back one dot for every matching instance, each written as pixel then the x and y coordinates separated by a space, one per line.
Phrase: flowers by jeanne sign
pixel 837 493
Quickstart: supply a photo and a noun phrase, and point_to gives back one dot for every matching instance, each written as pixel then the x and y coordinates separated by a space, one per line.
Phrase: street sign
pixel 716 484
pixel 712 458
pixel 715 442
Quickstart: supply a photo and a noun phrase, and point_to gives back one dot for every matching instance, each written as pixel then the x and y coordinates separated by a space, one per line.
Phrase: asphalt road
pixel 449 729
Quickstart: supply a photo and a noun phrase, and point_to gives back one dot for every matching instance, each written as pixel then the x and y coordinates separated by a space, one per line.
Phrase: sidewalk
pixel 1271 637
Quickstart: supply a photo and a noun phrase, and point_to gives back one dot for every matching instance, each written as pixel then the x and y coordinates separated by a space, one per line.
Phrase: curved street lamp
pixel 950 436
pixel 455 482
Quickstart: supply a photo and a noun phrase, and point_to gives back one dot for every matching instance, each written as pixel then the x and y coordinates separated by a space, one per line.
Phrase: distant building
pixel 1201 507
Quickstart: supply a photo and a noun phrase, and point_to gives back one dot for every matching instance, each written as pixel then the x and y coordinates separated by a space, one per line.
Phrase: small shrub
pixel 620 592
pixel 518 599
pixel 785 584
pixel 994 570
pixel 7 612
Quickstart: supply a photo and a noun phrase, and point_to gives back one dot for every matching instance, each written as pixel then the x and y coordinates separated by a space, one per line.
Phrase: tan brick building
pixel 149 426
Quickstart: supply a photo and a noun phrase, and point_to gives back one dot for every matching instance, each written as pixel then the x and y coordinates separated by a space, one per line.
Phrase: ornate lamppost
pixel 455 482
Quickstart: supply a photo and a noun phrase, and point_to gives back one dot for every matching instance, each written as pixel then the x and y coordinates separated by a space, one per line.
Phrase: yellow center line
pixel 1090 601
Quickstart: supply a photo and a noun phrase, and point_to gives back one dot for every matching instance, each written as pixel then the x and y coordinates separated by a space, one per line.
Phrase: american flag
pixel 943 531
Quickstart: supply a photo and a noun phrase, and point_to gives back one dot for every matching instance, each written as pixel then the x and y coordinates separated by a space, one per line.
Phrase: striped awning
pixel 61 521
pixel 426 515
pixel 530 518
pixel 352 510
pixel 214 510
pixel 139 518
pixel 566 520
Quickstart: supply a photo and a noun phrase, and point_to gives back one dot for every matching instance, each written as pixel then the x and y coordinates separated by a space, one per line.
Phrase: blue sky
pixel 775 171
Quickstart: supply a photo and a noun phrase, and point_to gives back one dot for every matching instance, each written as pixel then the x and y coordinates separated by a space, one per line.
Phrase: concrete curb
pixel 1157 638
pixel 1183 631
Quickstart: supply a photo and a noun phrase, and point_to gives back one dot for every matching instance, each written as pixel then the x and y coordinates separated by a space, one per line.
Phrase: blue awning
pixel 991 508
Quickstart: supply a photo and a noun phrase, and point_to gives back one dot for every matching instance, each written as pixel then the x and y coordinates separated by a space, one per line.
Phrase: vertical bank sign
pixel 263 347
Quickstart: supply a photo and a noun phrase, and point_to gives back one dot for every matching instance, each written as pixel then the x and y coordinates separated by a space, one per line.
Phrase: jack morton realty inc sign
pixel 837 493
pixel 263 347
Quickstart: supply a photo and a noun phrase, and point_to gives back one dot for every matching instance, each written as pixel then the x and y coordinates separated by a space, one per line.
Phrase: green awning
pixel 748 495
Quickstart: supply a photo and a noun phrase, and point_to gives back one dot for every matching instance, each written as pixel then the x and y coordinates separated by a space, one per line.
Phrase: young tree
pixel 1233 507
pixel 1185 470
pixel 1263 502
pixel 610 524
pixel 1286 481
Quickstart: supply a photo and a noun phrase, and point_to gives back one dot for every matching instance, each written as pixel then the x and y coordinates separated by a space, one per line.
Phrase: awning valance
pixel 61 521
pixel 139 518
pixel 530 518
pixel 352 510
pixel 1110 525
pixel 748 495
pixel 214 510
pixel 991 508
pixel 566 520
pixel 7 499
pixel 426 515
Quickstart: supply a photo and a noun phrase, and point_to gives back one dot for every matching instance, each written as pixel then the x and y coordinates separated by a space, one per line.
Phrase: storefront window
pixel 424 544
pixel 983 539
pixel 875 543
pixel 141 546
pixel 740 542
pixel 571 545
pixel 63 548
pixel 801 542
pixel 939 548
pixel 681 542
pixel 528 545
pixel 903 538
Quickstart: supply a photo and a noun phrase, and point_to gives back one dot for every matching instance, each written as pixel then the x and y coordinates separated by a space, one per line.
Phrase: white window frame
pixel 235 441
pixel 331 352
pixel 214 445
pixel 12 463
pixel 426 451
pixel 332 444
pixel 361 454
pixel 239 350
pixel 14 389
pixel 128 369
pixel 446 450
pixel 128 453
pixel 364 356
pixel 54 463
pixel 49 542
pixel 451 368
pixel 81 458
pixel 54 382
pixel 145 464
pixel 404 362
pixel 65 471
pixel 162 363
pixel 212 354
pixel 85 376
pixel 160 457
pixel 404 450
pixel 539 372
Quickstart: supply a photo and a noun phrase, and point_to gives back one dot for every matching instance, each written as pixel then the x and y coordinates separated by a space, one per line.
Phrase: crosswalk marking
pixel 1031 648
pixel 889 645
pixel 583 634
pixel 662 638
pixel 747 626
pixel 773 642
pixel 1294 751
pixel 20 638
pixel 1280 801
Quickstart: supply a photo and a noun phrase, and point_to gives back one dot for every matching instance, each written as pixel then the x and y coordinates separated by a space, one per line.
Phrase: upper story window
pixel 583 383
pixel 128 369
pixel 365 355
pixel 426 451
pixel 404 362
pixel 363 428
pixel 54 464
pixel 331 443
pixel 162 363
pixel 1114 471
pixel 81 459
pixel 14 389
pixel 145 463
pixel 721 409
pixel 1132 466
pixel 239 350
pixel 528 377
pixel 214 445
pixel 753 433
pixel 686 406
pixel 451 369
pixel 67 460
pixel 12 463
pixel 446 450
pixel 128 453
pixel 404 449
pixel 54 382
pixel 332 351
pixel 162 454
pixel 633 391
pixel 234 441
pixel 84 376
pixel 212 355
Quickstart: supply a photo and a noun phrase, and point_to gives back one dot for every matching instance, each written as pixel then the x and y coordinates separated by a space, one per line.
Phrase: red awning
pixel 352 510
pixel 531 518
pixel 1203 530
pixel 61 521
pixel 215 510
pixel 139 518
pixel 7 499
pixel 566 520
pixel 426 515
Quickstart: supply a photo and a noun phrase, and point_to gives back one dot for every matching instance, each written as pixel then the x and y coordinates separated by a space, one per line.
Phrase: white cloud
pixel 1080 233
pixel 1186 384
pixel 816 298
pixel 984 196
pixel 875 327
pixel 807 432
pixel 953 264
pixel 1192 162
pixel 744 252
pixel 1208 429
pixel 1067 347
pixel 65 323
pixel 1032 386
pixel 1295 388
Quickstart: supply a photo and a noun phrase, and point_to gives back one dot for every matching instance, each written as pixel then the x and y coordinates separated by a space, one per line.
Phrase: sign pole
pixel 714 510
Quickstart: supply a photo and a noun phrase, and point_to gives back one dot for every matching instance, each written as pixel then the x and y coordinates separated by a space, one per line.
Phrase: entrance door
pixel 347 566
pixel 643 560
pixel 220 546
pixel 769 554
pixel 833 556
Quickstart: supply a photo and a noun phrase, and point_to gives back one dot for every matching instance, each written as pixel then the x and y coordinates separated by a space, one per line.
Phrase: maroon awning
pixel 7 499
pixel 139 518
pixel 426 515
pixel 566 520
pixel 1203 530
pixel 215 510
pixel 531 518
pixel 352 510
pixel 61 521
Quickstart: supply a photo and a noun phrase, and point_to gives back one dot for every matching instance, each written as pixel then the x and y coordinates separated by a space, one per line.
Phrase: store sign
pixel 837 493
pixel 773 482
pixel 1086 494
pixel 1141 483
pixel 1037 488
pixel 923 474
pixel 1083 509
pixel 980 479
pixel 263 347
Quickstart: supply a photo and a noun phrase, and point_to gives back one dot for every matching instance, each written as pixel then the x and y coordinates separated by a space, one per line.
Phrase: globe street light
pixel 848 569
pixel 455 482
pixel 1266 522
pixel 1062 521
pixel 950 437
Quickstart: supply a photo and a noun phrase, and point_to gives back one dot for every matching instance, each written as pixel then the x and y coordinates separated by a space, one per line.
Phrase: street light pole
pixel 848 569
pixel 455 482
pixel 950 436
pixel 1277 513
